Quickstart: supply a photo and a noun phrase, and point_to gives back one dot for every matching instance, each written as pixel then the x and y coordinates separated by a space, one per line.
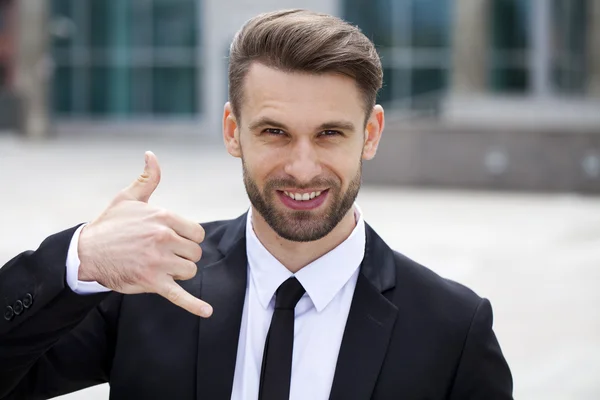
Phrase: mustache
pixel 290 183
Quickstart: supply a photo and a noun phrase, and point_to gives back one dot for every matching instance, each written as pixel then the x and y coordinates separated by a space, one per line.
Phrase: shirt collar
pixel 322 279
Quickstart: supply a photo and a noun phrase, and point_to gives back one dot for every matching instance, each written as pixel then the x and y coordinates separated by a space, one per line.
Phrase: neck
pixel 296 255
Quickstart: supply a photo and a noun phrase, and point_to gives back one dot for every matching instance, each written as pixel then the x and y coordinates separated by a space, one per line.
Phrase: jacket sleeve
pixel 52 340
pixel 482 373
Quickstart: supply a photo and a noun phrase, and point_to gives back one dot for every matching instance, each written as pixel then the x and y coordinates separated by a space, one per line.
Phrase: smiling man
pixel 298 298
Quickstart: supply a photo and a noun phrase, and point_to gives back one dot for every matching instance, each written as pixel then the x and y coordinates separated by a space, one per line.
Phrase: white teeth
pixel 303 196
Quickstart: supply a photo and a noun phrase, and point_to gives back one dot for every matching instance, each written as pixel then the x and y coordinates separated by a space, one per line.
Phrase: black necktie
pixel 276 372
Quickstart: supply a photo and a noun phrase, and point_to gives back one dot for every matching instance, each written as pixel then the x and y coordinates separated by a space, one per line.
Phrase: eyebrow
pixel 266 121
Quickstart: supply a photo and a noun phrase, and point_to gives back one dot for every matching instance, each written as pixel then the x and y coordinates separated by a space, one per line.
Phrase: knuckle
pixel 192 270
pixel 199 234
pixel 163 215
pixel 187 271
pixel 172 294
pixel 163 235
pixel 197 255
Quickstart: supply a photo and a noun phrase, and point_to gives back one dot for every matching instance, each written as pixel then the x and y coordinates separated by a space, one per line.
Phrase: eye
pixel 330 133
pixel 274 131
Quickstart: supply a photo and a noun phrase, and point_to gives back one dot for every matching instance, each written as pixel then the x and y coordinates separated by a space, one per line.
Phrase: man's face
pixel 302 140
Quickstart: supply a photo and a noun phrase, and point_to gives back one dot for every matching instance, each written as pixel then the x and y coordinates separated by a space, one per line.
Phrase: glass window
pixel 174 23
pixel 510 80
pixel 510 19
pixel 396 86
pixel 412 37
pixel 431 23
pixel 374 18
pixel 128 58
pixel 510 45
pixel 109 87
pixel 174 90
pixel 62 90
pixel 569 26
pixel 428 80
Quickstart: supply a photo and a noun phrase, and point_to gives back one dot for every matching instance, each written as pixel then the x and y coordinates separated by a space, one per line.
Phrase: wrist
pixel 86 263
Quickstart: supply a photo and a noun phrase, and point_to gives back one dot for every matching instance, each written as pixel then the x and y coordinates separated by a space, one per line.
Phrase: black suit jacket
pixel 410 334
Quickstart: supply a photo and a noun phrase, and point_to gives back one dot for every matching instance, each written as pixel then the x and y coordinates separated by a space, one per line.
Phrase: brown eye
pixel 330 133
pixel 274 131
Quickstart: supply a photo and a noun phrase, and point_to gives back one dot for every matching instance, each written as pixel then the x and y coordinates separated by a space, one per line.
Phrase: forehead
pixel 300 98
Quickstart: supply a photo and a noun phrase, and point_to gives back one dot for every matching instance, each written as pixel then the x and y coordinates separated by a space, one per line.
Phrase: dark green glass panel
pixel 174 23
pixel 109 23
pixel 396 85
pixel 61 11
pixel 569 28
pixel 386 94
pixel 99 91
pixel 141 91
pixel 510 21
pixel 109 94
pixel 62 101
pixel 374 18
pixel 510 80
pixel 174 90
pixel 428 82
pixel 431 23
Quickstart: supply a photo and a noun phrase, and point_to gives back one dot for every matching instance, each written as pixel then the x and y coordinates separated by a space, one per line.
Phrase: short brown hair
pixel 304 41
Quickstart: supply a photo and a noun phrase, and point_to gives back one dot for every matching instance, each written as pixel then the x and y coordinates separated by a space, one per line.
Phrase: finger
pixel 184 228
pixel 182 269
pixel 186 249
pixel 142 188
pixel 171 291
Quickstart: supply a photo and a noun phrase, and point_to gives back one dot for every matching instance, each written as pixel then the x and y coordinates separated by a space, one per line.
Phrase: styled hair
pixel 304 41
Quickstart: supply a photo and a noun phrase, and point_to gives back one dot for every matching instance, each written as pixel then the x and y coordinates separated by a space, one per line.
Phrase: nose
pixel 303 163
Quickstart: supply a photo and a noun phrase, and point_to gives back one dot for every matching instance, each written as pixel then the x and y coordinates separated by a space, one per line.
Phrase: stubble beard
pixel 298 225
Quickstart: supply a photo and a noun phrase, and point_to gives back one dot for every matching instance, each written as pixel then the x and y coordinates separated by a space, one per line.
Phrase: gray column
pixel 33 66
pixel 593 40
pixel 470 42
pixel 540 62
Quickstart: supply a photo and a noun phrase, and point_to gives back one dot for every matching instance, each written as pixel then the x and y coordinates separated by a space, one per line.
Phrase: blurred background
pixel 488 172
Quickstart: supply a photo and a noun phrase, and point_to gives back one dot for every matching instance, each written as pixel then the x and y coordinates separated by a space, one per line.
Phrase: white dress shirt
pixel 321 313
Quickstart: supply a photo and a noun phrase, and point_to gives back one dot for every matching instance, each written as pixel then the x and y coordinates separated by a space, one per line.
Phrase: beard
pixel 299 225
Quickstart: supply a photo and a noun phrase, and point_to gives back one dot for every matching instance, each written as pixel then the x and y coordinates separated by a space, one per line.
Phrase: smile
pixel 302 196
pixel 303 201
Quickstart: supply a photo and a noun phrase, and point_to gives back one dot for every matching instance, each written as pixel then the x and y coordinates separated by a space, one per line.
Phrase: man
pixel 298 298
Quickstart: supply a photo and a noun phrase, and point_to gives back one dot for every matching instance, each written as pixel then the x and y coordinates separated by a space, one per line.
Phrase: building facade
pixel 160 66
pixel 148 60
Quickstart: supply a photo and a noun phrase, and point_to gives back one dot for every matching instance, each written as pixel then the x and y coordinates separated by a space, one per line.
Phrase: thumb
pixel 142 188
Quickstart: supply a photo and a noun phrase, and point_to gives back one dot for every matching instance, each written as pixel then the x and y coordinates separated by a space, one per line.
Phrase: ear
pixel 373 131
pixel 231 133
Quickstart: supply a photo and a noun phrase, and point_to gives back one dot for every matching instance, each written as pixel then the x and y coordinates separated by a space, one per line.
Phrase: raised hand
pixel 135 247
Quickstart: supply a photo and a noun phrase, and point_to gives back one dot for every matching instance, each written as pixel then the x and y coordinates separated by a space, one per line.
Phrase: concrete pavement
pixel 536 257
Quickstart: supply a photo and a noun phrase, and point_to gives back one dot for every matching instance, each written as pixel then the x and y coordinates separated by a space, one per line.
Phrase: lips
pixel 302 196
pixel 306 201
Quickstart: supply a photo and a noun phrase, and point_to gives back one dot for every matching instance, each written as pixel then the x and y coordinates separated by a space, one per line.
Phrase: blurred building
pixel 7 57
pixel 478 93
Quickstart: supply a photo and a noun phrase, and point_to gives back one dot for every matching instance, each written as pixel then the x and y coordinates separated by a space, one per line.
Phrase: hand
pixel 134 247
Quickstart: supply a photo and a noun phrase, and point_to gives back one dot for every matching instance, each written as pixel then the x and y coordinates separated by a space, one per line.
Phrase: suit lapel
pixel 224 287
pixel 369 325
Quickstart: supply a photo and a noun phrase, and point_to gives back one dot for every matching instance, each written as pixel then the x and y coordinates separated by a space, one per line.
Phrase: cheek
pixel 344 168
pixel 259 167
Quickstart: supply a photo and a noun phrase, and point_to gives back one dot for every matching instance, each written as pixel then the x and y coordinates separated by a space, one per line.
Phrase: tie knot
pixel 289 294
